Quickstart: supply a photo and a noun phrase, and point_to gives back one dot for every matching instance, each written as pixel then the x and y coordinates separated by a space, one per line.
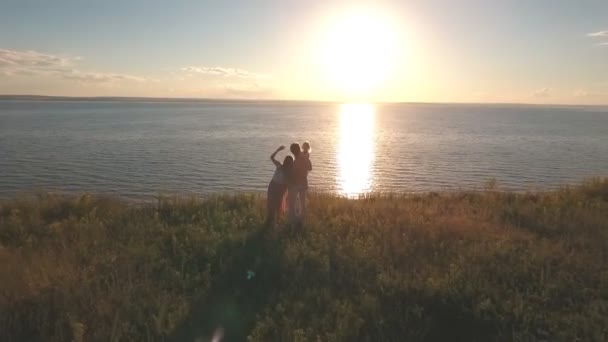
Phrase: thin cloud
pixel 250 91
pixel 597 91
pixel 98 77
pixel 32 59
pixel 542 92
pixel 600 34
pixel 14 62
pixel 221 71
pixel 34 63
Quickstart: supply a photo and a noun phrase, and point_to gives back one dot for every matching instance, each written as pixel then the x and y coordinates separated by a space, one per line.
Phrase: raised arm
pixel 274 161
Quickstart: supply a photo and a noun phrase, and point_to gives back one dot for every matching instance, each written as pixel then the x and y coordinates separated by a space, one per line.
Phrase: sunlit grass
pixel 459 266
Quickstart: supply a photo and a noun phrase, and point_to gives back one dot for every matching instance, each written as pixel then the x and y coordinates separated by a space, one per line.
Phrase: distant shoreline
pixel 43 98
pixel 135 99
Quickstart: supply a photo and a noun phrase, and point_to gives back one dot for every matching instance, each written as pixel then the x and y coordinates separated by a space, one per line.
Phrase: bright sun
pixel 359 51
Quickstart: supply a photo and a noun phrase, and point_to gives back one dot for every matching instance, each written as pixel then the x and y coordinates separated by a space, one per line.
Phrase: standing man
pixel 298 185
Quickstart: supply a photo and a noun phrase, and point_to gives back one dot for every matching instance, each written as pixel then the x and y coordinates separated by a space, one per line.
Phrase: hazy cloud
pixel 480 94
pixel 542 92
pixel 233 83
pixel 33 63
pixel 596 91
pixel 250 91
pixel 221 71
pixel 98 77
pixel 601 34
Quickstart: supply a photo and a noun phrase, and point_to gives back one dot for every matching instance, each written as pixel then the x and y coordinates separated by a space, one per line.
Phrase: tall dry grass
pixel 488 266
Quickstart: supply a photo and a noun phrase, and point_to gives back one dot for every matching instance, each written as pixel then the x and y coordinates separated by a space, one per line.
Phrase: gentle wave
pixel 137 150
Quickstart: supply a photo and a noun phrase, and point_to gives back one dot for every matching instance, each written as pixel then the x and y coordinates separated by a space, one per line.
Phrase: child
pixel 278 186
pixel 306 153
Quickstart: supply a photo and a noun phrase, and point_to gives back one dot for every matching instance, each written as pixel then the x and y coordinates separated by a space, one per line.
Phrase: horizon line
pixel 31 97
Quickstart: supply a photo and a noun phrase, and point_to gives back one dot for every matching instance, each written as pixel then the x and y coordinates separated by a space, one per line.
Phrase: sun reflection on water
pixel 356 149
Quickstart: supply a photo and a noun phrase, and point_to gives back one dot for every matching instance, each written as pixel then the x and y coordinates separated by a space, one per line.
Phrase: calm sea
pixel 138 149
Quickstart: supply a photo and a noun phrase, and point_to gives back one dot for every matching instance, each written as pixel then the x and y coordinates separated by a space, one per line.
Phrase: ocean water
pixel 140 149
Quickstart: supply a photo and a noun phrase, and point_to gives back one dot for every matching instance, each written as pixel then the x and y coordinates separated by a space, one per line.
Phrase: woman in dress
pixel 278 186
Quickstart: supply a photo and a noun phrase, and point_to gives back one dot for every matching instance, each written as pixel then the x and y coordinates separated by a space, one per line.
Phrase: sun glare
pixel 356 149
pixel 359 51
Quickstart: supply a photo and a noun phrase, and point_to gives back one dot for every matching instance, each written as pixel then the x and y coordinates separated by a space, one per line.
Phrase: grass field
pixel 485 266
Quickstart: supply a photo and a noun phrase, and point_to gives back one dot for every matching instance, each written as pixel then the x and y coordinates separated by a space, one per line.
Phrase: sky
pixel 497 51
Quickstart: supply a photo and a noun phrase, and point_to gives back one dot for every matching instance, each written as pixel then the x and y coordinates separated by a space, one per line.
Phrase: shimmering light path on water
pixel 357 146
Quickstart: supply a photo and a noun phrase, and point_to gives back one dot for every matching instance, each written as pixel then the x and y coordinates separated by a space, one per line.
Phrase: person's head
pixel 306 147
pixel 288 162
pixel 295 149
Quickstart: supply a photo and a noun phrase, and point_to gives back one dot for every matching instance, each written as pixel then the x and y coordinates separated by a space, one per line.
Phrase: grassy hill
pixel 489 266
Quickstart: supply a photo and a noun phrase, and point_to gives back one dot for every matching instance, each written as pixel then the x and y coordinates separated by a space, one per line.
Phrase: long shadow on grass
pixel 237 295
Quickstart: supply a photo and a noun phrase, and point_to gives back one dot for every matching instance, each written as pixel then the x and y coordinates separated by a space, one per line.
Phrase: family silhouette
pixel 289 183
